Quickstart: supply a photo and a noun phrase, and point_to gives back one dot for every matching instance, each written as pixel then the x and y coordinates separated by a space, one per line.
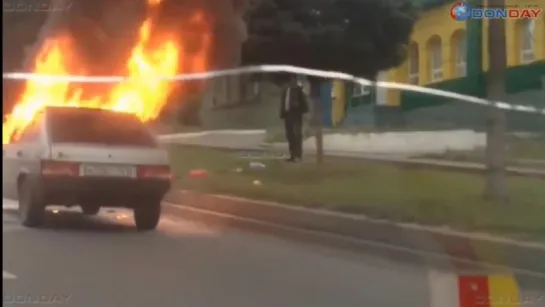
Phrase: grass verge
pixel 406 195
pixel 521 152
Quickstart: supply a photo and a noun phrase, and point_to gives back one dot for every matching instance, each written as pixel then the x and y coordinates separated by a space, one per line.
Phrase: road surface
pixel 102 261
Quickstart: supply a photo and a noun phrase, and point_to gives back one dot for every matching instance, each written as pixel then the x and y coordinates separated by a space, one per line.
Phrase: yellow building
pixel 451 55
pixel 438 50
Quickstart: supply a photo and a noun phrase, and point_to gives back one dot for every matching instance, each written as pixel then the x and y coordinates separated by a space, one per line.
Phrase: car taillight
pixel 60 168
pixel 155 172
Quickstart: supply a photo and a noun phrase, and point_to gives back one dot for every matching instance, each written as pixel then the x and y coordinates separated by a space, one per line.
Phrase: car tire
pixel 147 215
pixel 31 206
pixel 90 209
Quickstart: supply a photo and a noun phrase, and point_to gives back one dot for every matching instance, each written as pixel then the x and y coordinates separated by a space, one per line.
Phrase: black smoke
pixel 105 31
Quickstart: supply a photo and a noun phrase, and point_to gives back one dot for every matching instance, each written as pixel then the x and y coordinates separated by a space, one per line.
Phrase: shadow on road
pixel 75 221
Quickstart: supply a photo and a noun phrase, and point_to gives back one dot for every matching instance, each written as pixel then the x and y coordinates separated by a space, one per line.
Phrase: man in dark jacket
pixel 293 106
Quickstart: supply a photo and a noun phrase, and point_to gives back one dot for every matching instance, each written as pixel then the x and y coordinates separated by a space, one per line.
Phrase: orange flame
pixel 143 95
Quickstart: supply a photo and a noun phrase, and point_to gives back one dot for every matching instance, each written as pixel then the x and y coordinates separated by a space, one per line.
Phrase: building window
pixel 436 59
pixel 414 64
pixel 459 53
pixel 527 27
pixel 360 90
pixel 461 60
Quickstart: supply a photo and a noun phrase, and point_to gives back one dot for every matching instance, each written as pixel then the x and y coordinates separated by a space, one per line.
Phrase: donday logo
pixel 460 11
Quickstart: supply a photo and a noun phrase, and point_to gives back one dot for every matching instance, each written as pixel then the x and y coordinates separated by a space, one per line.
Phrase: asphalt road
pixel 102 261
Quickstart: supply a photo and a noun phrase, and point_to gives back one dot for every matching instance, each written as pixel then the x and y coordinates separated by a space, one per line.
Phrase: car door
pixel 23 156
pixel 11 164
pixel 9 170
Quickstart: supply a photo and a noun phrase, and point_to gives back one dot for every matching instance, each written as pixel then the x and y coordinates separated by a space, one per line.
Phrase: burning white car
pixel 90 158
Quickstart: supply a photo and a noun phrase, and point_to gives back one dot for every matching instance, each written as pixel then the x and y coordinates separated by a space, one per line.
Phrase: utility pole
pixel 496 188
pixel 319 131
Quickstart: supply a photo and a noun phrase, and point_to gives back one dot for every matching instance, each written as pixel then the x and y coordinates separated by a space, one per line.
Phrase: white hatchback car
pixel 87 157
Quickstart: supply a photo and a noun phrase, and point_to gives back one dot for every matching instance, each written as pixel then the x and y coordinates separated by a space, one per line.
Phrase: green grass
pixel 518 152
pixel 380 191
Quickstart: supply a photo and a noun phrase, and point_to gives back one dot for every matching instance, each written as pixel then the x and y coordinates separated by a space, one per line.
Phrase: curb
pixel 477 249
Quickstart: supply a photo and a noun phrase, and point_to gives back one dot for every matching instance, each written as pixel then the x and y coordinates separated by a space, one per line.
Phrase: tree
pixel 20 31
pixel 496 180
pixel 360 37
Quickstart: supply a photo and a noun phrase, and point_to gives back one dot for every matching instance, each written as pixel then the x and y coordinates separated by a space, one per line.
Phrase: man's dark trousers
pixel 293 123
pixel 293 106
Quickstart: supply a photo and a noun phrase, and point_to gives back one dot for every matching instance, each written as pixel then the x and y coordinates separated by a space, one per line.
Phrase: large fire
pixel 154 55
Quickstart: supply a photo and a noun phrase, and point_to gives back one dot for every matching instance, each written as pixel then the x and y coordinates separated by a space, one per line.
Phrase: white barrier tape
pixel 230 133
pixel 278 69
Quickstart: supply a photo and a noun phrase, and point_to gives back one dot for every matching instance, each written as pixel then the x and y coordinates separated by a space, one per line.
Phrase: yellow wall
pixel 338 101
pixel 432 23
pixel 514 39
pixel 396 75
pixel 437 22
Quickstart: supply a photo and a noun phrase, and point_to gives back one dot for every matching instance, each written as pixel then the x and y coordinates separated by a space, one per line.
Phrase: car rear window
pixel 72 125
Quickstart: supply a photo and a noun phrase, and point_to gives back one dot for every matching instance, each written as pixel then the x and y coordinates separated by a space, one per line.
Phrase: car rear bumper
pixel 108 192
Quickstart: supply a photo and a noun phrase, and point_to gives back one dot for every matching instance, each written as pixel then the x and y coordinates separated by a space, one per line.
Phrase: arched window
pixel 459 53
pixel 436 58
pixel 414 63
pixel 526 30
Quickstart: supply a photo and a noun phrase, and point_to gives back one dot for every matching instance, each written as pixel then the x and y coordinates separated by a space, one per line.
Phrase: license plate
pixel 94 170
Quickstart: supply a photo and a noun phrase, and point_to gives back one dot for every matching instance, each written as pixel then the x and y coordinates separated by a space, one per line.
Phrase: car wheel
pixel 90 209
pixel 147 215
pixel 31 207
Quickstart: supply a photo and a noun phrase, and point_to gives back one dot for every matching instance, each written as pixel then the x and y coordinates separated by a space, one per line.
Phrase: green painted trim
pixel 474 30
pixel 519 79
pixel 470 85
pixel 525 77
pixel 354 102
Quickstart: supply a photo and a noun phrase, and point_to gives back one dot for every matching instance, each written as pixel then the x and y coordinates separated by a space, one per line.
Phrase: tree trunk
pixel 319 134
pixel 317 120
pixel 243 88
pixel 496 181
